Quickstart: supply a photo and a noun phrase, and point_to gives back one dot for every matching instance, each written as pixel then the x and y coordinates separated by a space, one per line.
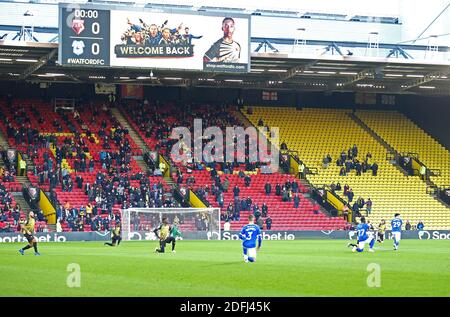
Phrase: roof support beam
pixel 297 69
pixel 360 76
pixel 41 62
pixel 425 79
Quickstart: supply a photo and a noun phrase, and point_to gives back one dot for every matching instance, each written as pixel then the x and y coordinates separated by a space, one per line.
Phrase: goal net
pixel 194 223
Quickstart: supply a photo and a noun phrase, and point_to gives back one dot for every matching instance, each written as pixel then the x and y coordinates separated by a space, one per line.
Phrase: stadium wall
pixel 227 235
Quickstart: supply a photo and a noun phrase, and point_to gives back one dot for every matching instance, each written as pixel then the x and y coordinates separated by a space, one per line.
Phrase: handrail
pixel 328 187
pixel 179 196
pixel 431 190
pixel 391 156
pixel 435 172
pixel 413 155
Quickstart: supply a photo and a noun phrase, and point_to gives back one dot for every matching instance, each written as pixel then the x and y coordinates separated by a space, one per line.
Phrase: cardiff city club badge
pixel 78 26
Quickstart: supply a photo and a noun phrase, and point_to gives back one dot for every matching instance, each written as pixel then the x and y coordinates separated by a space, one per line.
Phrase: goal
pixel 194 223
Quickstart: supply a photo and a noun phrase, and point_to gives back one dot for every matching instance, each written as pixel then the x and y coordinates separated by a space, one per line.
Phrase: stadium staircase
pixel 314 133
pixel 137 138
pixel 132 132
pixel 25 207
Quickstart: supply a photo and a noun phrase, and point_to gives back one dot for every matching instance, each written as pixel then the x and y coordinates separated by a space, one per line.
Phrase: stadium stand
pixel 283 214
pixel 314 133
pixel 406 137
pixel 55 143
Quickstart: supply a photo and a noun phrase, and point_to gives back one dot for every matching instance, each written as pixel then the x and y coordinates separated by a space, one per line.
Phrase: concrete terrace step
pixel 18 197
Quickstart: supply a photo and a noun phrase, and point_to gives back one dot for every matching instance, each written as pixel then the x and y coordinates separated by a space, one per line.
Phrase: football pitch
pixel 216 268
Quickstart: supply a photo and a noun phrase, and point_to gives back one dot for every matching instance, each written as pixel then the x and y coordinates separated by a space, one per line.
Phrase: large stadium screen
pixel 100 36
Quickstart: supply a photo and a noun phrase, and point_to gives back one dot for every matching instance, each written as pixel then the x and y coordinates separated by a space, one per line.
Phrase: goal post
pixel 194 223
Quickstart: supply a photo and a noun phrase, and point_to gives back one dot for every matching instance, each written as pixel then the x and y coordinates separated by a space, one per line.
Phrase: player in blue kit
pixel 249 234
pixel 364 236
pixel 396 225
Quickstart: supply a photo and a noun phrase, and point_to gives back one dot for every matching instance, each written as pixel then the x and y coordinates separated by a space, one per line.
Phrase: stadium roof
pixel 37 62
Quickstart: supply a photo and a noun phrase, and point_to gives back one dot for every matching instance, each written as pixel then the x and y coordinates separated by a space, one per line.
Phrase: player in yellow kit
pixel 163 232
pixel 116 236
pixel 27 229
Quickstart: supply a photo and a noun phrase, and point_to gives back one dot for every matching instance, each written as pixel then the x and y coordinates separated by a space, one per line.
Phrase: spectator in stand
pixel 326 161
pixel 346 188
pixel 22 168
pixel 247 180
pixel 354 150
pixel 355 209
pixel 230 212
pixel 16 216
pixel 79 180
pixel 369 206
pixel 226 226
pixel 374 169
pixel 420 225
pixel 342 171
pixel 296 201
pixel 260 223
pixel 316 208
pixel 301 170
pixel 423 172
pixel 237 212
pixel 236 191
pixel 264 210
pixel 3 226
pixel 256 212
pixel 284 194
pixel 345 212
pixel 226 184
pixel 360 202
pixel 3 216
pixel 350 195
pixel 267 188
pixel 268 223
pixel 358 167
pixel 278 189
pixel 407 225
pixel 220 200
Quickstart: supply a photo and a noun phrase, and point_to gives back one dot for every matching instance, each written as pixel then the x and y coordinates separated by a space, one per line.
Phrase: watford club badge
pixel 78 26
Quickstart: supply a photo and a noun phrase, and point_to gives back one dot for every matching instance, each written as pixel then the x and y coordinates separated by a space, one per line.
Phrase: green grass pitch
pixel 216 268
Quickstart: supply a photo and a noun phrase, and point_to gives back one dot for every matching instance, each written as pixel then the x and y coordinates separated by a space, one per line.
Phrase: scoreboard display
pixel 100 36
pixel 85 37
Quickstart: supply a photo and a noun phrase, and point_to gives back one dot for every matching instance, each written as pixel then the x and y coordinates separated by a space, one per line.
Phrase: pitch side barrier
pixel 227 235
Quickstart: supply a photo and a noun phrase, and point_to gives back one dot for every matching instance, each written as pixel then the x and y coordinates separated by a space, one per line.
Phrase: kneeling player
pixel 163 232
pixel 116 236
pixel 363 237
pixel 28 230
pixel 249 234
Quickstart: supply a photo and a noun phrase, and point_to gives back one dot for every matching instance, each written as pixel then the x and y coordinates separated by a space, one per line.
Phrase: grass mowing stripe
pixel 215 268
